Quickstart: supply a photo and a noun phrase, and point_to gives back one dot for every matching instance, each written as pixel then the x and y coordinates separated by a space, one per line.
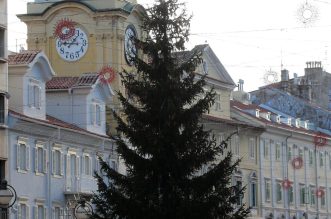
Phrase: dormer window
pixel 278 119
pixel 34 94
pixel 297 123
pixel 257 113
pixel 217 103
pixel 267 116
pixel 306 124
pixel 96 114
pixel 289 121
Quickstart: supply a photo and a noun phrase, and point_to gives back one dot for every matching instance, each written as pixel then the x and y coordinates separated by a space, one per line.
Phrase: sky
pixel 254 39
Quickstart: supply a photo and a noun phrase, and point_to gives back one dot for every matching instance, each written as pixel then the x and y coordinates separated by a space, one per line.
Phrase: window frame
pixel 278 153
pixel 40 170
pixel 34 94
pixel 217 102
pixel 59 173
pixel 267 190
pixel 252 147
pixel 19 165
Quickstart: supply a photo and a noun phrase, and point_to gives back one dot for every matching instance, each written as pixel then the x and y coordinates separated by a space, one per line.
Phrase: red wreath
pixel 286 184
pixel 297 163
pixel 107 74
pixel 320 139
pixel 64 29
pixel 320 192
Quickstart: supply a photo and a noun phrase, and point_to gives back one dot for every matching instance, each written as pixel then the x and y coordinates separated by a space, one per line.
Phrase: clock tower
pixel 101 35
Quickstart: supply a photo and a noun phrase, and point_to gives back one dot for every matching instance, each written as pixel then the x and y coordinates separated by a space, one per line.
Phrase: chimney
pixel 284 79
pixel 241 85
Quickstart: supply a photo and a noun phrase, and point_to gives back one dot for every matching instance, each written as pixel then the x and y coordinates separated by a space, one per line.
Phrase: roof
pixel 24 57
pixel 63 83
pixel 227 121
pixel 242 106
pixel 56 122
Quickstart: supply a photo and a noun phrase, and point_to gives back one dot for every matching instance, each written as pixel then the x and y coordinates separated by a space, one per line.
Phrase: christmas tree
pixel 160 139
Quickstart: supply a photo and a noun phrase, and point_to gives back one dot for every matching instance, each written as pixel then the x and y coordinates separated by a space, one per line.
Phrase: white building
pixel 56 130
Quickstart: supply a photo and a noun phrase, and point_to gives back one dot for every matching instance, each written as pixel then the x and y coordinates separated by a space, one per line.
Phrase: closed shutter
pixel 93 114
pixel 19 211
pixel 90 163
pixel 45 160
pixel 77 166
pixel 53 213
pixel 35 212
pixel 36 159
pixel 84 167
pixel 27 157
pixel 18 156
pixel 53 162
pixel 45 212
pixel 27 211
pixel 62 163
pixel 38 96
pixel 68 165
pixel 30 97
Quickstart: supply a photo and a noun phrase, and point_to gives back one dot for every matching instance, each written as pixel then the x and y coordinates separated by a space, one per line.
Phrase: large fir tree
pixel 160 138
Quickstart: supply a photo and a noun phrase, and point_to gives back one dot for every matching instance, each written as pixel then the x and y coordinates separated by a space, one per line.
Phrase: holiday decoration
pixel 307 13
pixel 320 192
pixel 297 163
pixel 286 184
pixel 64 29
pixel 320 140
pixel 107 74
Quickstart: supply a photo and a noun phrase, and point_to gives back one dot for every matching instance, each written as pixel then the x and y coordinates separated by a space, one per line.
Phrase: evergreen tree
pixel 160 138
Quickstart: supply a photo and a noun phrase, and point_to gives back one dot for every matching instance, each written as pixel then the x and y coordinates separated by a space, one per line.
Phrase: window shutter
pixel 30 97
pixel 90 163
pixel 53 213
pixel 62 163
pixel 68 165
pixel 27 157
pixel 27 211
pixel 38 97
pixel 19 211
pixel 97 166
pixel 35 212
pixel 45 160
pixel 36 159
pixel 93 114
pixel 53 162
pixel 84 164
pixel 18 156
pixel 45 212
pixel 77 166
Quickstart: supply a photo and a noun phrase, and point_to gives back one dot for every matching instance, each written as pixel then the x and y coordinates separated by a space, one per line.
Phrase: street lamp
pixel 7 195
pixel 83 210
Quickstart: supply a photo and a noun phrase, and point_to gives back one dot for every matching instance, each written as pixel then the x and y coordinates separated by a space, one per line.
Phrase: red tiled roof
pixel 61 82
pixel 57 83
pixel 25 57
pixel 56 122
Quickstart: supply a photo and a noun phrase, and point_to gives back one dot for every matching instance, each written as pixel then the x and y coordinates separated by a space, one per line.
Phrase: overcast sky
pixel 250 37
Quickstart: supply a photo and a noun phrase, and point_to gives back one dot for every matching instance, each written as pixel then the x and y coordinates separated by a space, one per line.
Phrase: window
pixel 301 152
pixel 302 194
pixel 238 191
pixel 23 211
pixel 289 153
pixel 87 165
pixel 312 194
pixel 57 164
pixel 266 149
pixel 323 199
pixel 2 108
pixel 113 164
pixel 267 185
pixel 40 159
pixel 278 151
pixel 235 144
pixel 311 158
pixel 34 94
pixel 22 156
pixel 321 154
pixel 253 190
pixel 96 114
pixel 217 104
pixel 290 195
pixel 279 192
pixel 57 213
pixel 40 212
pixel 251 148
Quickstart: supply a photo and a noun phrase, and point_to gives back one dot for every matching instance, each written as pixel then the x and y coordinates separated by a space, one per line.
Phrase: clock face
pixel 130 49
pixel 74 48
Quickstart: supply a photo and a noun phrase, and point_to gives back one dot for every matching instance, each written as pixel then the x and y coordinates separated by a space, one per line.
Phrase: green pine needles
pixel 160 139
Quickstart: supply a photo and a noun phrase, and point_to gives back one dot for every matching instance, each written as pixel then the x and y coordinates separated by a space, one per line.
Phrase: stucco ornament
pixel 286 184
pixel 107 74
pixel 320 140
pixel 64 29
pixel 297 163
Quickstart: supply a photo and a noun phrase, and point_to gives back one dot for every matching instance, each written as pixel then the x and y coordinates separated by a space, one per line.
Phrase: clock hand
pixel 73 42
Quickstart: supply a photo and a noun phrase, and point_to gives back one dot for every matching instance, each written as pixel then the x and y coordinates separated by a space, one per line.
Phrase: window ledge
pixel 57 176
pixel 22 171
pixel 3 126
pixel 3 60
pixel 40 174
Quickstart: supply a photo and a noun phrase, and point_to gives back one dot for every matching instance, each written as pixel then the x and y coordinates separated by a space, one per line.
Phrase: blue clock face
pixel 130 49
pixel 74 48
